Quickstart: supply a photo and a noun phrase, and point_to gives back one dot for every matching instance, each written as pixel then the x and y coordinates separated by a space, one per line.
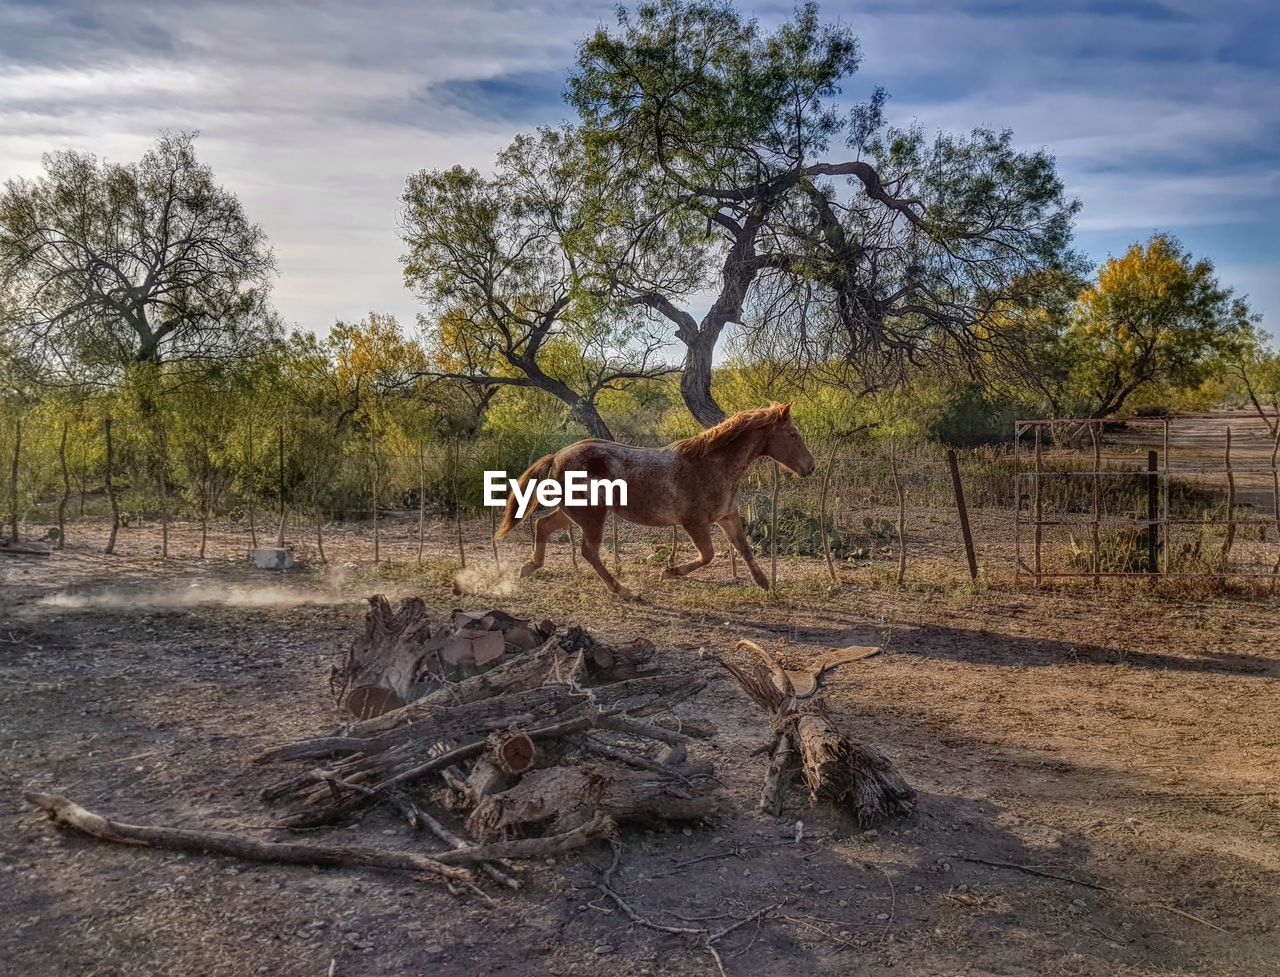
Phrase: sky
pixel 1164 116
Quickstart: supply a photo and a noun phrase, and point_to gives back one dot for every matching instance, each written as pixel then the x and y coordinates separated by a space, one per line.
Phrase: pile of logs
pixel 535 742
pixel 550 741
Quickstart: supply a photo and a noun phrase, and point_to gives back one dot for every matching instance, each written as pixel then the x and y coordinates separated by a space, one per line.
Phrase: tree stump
pixel 836 769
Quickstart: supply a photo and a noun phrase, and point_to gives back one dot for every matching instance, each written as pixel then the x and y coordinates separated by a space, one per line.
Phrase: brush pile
pixel 510 727
pixel 531 742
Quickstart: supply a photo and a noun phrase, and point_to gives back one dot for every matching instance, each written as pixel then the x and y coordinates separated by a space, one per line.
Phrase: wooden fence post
pixel 902 511
pixel 1097 505
pixel 1153 531
pixel 66 487
pixel 1231 503
pixel 280 474
pixel 963 511
pixel 13 481
pixel 457 503
pixel 822 513
pixel 422 497
pixel 773 533
pixel 111 490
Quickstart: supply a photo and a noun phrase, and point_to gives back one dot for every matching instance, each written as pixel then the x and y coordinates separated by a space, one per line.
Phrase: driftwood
pixel 836 769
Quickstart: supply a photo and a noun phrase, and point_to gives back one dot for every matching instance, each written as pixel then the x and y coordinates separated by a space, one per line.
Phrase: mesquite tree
pixel 518 271
pixel 110 264
pixel 871 244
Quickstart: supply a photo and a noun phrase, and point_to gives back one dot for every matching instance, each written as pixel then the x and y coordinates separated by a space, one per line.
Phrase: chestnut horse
pixel 692 483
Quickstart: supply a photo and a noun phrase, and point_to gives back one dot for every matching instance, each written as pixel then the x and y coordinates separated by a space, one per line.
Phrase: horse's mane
pixel 728 429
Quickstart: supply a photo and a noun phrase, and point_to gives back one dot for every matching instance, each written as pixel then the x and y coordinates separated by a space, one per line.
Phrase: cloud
pixel 1162 114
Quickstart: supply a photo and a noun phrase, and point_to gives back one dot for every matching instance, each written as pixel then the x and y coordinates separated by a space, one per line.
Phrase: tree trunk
pixel 585 410
pixel 66 488
pixel 320 535
pixel 695 380
pixel 13 482
pixel 111 491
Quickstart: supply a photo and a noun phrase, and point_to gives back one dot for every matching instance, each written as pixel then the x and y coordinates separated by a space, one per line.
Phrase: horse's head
pixel 785 446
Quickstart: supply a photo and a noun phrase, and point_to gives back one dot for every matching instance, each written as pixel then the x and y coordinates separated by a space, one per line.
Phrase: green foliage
pixel 970 417
pixel 799 532
pixel 107 264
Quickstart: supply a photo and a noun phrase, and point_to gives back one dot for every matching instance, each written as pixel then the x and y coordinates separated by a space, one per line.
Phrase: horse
pixel 692 483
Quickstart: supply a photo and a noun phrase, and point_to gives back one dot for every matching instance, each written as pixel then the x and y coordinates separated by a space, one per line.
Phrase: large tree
pixel 883 244
pixel 518 269
pixel 112 264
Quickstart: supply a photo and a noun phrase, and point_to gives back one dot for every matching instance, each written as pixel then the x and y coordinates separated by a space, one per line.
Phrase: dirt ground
pixel 1121 741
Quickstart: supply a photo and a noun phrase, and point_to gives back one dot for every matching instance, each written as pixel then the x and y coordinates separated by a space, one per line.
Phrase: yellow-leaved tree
pixel 1155 316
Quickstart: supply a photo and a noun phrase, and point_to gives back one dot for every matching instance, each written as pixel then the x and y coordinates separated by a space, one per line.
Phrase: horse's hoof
pixel 624 593
pixel 668 573
pixel 529 569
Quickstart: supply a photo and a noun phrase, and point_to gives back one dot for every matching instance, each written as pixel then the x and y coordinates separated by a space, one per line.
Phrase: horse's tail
pixel 509 518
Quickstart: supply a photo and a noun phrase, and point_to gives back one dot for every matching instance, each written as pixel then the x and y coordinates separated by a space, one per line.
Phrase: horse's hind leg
pixel 700 533
pixel 542 530
pixel 732 526
pixel 592 523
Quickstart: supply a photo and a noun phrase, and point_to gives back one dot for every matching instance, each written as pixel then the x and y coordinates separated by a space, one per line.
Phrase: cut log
pixel 567 795
pixel 432 721
pixel 517 674
pixel 400 658
pixel 512 752
pixel 781 768
pixel 383 665
pixel 835 768
pixel 847 773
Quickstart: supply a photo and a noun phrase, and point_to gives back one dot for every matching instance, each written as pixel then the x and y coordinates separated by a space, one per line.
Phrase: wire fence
pixel 1188 495
pixel 1194 495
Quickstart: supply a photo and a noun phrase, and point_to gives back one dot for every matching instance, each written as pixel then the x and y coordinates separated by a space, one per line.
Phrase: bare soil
pixel 1121 740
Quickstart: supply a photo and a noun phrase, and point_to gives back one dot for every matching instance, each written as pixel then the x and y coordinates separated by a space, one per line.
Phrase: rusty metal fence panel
pixel 1187 495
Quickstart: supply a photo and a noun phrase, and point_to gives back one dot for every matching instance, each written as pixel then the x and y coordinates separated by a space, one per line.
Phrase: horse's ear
pixel 786 410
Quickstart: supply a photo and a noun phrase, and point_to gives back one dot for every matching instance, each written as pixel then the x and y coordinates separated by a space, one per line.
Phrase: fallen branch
pixel 224 843
pixel 835 768
pixel 1031 870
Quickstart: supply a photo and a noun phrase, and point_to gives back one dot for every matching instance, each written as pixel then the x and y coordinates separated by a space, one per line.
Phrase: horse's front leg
pixel 700 533
pixel 591 521
pixel 732 526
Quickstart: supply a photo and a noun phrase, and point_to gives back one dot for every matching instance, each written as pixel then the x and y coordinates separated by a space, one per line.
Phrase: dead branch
pixel 224 843
pixel 836 769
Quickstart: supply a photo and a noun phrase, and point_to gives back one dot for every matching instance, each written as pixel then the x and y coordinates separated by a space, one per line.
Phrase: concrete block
pixel 272 557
